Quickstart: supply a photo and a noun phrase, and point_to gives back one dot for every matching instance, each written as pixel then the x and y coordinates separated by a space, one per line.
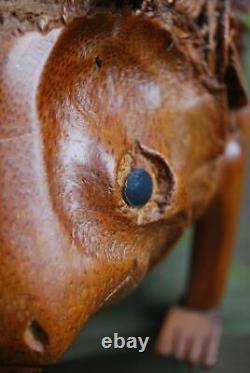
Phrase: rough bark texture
pixel 47 14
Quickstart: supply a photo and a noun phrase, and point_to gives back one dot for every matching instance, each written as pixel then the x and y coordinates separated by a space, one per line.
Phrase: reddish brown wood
pixel 83 102
pixel 215 234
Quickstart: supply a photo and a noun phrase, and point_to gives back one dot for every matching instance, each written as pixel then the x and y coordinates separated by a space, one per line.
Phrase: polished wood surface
pixel 83 104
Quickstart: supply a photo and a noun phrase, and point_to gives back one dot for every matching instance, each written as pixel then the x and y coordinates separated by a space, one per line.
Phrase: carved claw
pixel 190 335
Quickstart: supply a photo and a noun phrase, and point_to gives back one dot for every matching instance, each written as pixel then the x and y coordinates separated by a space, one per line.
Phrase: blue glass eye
pixel 138 188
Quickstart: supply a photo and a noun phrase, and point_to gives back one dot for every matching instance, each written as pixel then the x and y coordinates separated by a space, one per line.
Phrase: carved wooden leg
pixel 193 331
pixel 215 236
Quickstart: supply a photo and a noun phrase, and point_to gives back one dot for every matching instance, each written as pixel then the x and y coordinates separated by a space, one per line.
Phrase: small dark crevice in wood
pixel 236 95
pixel 35 337
pixel 98 62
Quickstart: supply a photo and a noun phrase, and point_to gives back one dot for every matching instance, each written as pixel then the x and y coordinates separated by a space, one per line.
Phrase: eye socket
pixel 138 188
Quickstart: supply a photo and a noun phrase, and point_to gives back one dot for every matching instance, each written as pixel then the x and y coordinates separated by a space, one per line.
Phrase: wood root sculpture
pixel 121 124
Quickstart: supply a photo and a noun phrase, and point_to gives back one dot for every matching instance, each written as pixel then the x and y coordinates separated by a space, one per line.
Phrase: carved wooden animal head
pixel 110 140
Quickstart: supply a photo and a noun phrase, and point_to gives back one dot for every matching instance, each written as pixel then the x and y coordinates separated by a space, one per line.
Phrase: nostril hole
pixel 35 337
